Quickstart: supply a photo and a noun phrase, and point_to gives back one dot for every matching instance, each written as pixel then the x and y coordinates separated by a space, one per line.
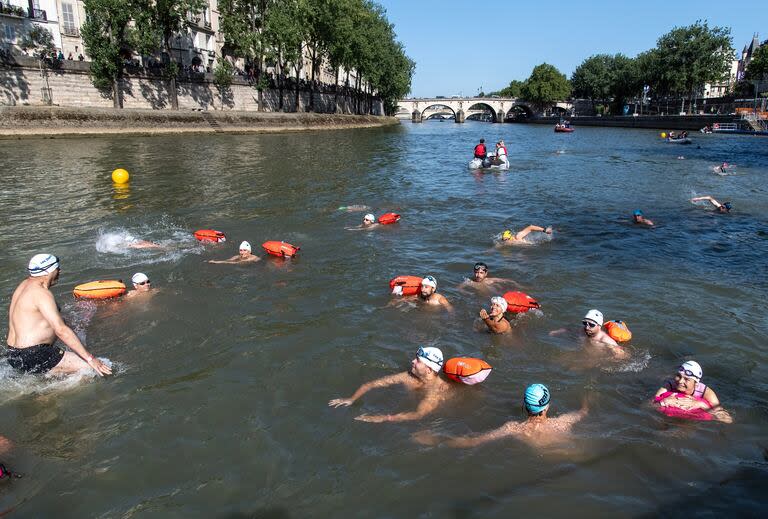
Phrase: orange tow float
pixel 520 302
pixel 389 218
pixel 618 331
pixel 102 289
pixel 467 370
pixel 280 249
pixel 209 235
pixel 405 285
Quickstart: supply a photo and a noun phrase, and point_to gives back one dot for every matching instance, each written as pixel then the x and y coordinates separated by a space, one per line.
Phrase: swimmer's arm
pixel 711 397
pixel 399 378
pixel 495 326
pixel 494 281
pixel 618 351
pixel 472 441
pixel 425 407
pixel 144 244
pixel 50 313
pixel 559 331
pixel 531 228
pixel 707 198
pixel 233 259
pixel 444 302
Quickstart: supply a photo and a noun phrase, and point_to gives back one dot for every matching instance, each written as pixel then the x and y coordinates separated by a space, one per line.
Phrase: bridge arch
pixel 481 107
pixel 438 108
pixel 519 111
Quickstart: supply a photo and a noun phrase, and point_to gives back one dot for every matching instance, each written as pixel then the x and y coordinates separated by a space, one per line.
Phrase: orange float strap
pixel 209 235
pixel 467 370
pixel 618 331
pixel 520 302
pixel 280 249
pixel 389 218
pixel 102 289
pixel 405 285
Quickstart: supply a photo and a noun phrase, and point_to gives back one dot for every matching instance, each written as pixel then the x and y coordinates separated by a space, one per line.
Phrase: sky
pixel 461 47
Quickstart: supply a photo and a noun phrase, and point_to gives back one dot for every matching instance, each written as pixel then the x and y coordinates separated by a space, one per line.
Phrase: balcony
pixel 38 14
pixel 70 30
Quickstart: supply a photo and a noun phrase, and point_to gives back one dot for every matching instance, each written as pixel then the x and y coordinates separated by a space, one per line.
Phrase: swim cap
pixel 429 281
pixel 727 206
pixel 245 246
pixel 369 218
pixel 506 235
pixel 637 212
pixel 498 300
pixel 536 398
pixel 432 357
pixel 139 277
pixel 595 315
pixel 42 264
pixel 691 366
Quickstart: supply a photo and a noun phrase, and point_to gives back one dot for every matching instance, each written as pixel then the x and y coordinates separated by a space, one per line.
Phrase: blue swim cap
pixel 638 212
pixel 536 398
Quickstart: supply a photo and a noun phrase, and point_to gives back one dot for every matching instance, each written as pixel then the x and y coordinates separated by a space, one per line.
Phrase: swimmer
pixel 688 382
pixel 424 375
pixel 508 238
pixel 143 244
pixel 595 336
pixel 141 285
pixel 244 256
pixel 724 167
pixel 369 222
pixel 725 207
pixel 428 293
pixel 495 320
pixel 638 218
pixel 353 208
pixel 480 278
pixel 34 323
pixel 538 430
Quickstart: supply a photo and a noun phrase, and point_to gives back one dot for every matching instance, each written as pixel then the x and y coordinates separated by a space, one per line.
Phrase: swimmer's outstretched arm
pixel 233 259
pixel 425 407
pixel 708 199
pixel 531 228
pixel 399 378
pixel 144 244
pixel 506 430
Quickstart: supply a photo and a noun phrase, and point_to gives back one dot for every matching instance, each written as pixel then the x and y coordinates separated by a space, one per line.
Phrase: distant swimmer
pixel 480 151
pixel 687 393
pixel 353 208
pixel 143 244
pixel 510 238
pixel 424 375
pixel 725 207
pixel 428 293
pixel 244 256
pixel 480 278
pixel 141 285
pixel 537 430
pixel 638 218
pixel 34 323
pixel 368 223
pixel 724 167
pixel 595 336
pixel 495 320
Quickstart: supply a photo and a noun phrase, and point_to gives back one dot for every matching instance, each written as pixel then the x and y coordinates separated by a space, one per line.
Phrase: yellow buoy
pixel 663 135
pixel 120 176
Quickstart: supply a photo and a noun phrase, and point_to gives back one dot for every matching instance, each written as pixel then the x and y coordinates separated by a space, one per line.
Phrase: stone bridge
pixel 462 107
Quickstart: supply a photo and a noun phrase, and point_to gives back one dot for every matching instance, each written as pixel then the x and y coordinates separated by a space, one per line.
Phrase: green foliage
pixel 545 86
pixel 39 41
pixel 592 79
pixel 758 65
pixel 222 74
pixel 514 89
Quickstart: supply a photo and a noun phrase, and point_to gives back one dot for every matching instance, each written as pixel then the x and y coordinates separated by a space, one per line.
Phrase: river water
pixel 218 405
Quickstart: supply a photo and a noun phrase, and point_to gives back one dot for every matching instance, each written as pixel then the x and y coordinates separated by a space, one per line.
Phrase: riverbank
pixel 18 122
pixel 653 122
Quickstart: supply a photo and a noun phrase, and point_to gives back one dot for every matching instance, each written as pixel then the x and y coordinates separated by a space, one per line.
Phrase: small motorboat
pixel 679 140
pixel 562 128
pixel 486 164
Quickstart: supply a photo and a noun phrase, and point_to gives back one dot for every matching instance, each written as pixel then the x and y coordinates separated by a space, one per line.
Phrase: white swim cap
pixel 42 264
pixel 595 315
pixel 498 300
pixel 432 357
pixel 429 281
pixel 692 369
pixel 369 218
pixel 245 246
pixel 139 277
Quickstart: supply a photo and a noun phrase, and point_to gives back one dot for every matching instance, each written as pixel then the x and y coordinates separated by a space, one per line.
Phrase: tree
pixel 624 80
pixel 545 86
pixel 107 36
pixel 514 89
pixel 592 79
pixel 39 40
pixel 758 65
pixel 688 57
pixel 283 34
pixel 157 25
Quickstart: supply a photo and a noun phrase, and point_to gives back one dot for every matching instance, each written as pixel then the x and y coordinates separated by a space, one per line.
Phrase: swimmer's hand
pixel 559 331
pixel 99 367
pixel 372 418
pixel 426 438
pixel 483 314
pixel 340 402
pixel 548 230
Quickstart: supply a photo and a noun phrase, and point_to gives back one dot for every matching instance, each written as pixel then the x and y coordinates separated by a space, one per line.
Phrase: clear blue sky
pixel 460 46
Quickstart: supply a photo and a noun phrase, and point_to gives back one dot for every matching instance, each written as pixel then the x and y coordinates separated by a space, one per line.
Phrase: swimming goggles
pixel 588 324
pixel 687 373
pixel 424 355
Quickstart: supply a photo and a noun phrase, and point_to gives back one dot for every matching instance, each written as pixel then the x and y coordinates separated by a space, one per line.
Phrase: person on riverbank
pixel 638 218
pixel 244 256
pixel 423 376
pixel 687 393
pixel 595 337
pixel 510 238
pixel 480 278
pixel 725 207
pixel 537 430
pixel 428 293
pixel 480 150
pixel 141 285
pixel 34 324
pixel 495 320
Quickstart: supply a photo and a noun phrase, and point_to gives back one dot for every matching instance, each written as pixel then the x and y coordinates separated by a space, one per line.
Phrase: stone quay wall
pixel 656 122
pixel 24 82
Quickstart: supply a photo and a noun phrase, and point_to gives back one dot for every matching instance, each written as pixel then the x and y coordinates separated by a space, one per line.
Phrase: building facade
pixel 17 17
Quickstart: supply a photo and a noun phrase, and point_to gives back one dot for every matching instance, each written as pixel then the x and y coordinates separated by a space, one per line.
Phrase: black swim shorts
pixel 35 359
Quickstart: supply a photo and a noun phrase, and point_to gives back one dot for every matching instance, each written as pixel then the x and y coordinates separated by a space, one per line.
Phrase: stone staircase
pixel 212 122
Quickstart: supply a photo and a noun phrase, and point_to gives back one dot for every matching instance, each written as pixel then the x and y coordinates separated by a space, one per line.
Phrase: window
pixel 68 18
pixel 10 33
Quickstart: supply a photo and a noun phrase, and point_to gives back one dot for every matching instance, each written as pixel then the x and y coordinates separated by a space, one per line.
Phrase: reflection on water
pixel 218 403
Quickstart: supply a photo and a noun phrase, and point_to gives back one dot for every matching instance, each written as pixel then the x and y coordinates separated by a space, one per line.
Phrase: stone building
pixel 17 17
